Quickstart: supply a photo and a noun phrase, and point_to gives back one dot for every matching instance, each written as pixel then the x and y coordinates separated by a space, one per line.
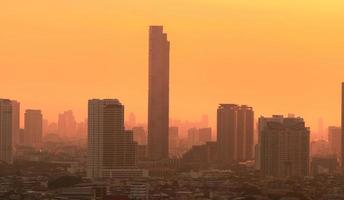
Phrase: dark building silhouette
pixel 201 156
pixel 141 152
pixel 158 94
pixel 6 131
pixel 111 148
pixel 324 165
pixel 140 135
pixel 204 135
pixel 33 126
pixel 193 137
pixel 226 132
pixel 342 126
pixel 245 136
pixel 235 126
pixel 15 122
pixel 335 140
pixel 173 141
pixel 66 124
pixel 284 146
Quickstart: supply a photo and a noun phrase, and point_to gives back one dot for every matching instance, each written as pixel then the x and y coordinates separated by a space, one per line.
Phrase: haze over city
pixel 177 100
pixel 279 57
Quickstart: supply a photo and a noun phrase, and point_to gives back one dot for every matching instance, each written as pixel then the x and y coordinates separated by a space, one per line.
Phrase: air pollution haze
pixel 277 56
pixel 171 99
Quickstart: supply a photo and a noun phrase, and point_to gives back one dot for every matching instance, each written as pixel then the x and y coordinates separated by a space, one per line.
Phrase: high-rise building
pixel 6 131
pixel 235 127
pixel 21 137
pixel 52 128
pixel 66 124
pixel 110 147
pixel 201 155
pixel 45 127
pixel 140 135
pixel 342 126
pixel 125 150
pixel 323 165
pixel 204 121
pixel 249 134
pixel 227 132
pixel 33 126
pixel 319 148
pixel 81 130
pixel 335 140
pixel 158 94
pixel 284 146
pixel 15 122
pixel 131 122
pixel 245 129
pixel 204 135
pixel 173 140
pixel 192 137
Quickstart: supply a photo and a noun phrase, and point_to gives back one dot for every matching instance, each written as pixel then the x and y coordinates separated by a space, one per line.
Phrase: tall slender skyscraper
pixel 33 128
pixel 158 94
pixel 6 131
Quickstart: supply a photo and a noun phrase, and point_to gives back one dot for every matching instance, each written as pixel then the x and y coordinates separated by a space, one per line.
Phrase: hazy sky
pixel 278 56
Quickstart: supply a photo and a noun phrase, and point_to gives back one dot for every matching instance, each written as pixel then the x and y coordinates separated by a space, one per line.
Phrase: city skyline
pixel 172 99
pixel 50 65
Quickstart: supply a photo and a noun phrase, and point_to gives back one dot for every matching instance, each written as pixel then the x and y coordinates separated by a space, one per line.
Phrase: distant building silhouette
pixel 158 94
pixel 226 132
pixel 45 127
pixel 320 148
pixel 111 149
pixel 140 135
pixel 335 140
pixel 204 135
pixel 173 141
pixel 201 156
pixel 66 124
pixel 15 122
pixel 192 137
pixel 52 128
pixel 235 126
pixel 245 136
pixel 6 130
pixel 284 146
pixel 342 126
pixel 21 136
pixel 323 165
pixel 33 126
pixel 204 121
pixel 81 129
pixel 131 121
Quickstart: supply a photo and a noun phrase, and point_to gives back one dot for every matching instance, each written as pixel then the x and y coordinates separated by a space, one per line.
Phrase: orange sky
pixel 278 56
